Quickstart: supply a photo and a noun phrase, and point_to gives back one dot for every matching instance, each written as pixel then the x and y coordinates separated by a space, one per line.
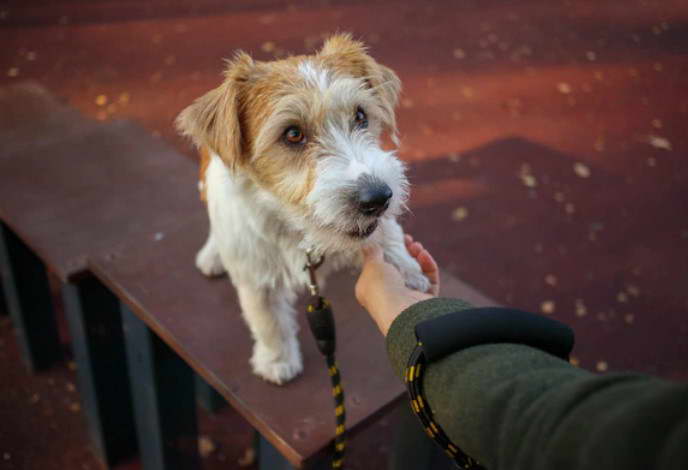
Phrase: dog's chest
pixel 255 240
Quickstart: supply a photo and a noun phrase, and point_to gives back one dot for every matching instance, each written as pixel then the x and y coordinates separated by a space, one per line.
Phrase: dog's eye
pixel 294 135
pixel 360 118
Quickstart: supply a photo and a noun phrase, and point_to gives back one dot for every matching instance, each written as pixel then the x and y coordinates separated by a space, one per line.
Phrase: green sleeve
pixel 513 407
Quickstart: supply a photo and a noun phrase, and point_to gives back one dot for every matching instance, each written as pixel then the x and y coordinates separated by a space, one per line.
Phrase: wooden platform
pixel 72 188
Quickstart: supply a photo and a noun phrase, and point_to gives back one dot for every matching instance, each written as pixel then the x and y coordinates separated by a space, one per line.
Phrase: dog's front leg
pixel 270 316
pixel 395 252
pixel 208 259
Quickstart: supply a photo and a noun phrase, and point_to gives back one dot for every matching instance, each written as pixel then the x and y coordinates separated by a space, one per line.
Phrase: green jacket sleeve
pixel 513 407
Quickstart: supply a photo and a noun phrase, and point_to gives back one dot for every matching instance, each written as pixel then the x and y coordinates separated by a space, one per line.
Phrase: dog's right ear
pixel 342 52
pixel 213 121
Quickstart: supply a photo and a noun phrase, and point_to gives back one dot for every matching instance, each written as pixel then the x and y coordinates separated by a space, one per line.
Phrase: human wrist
pixel 389 311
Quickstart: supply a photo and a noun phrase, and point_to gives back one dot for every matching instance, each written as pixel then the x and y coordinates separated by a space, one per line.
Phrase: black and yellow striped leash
pixel 413 376
pixel 321 323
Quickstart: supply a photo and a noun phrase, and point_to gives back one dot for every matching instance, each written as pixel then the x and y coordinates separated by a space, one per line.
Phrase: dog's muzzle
pixel 373 197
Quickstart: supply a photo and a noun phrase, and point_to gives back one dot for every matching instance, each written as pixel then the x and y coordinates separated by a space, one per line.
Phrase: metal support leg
pixel 25 283
pixel 164 400
pixel 95 326
pixel 268 457
pixel 4 306
pixel 208 397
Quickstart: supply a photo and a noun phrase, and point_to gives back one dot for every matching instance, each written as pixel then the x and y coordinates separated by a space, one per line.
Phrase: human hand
pixel 381 289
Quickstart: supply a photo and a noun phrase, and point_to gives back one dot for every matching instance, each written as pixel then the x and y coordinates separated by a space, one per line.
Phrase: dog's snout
pixel 373 198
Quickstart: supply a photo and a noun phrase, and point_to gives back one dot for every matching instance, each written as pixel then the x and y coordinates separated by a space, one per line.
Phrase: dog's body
pixel 291 161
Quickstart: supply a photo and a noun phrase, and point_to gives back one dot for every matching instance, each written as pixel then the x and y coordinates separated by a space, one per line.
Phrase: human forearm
pixel 514 407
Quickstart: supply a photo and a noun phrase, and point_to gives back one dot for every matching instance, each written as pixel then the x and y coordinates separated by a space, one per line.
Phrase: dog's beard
pixel 334 240
pixel 364 232
pixel 340 227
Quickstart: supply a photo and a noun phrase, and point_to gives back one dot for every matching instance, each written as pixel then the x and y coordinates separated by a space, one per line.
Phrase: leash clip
pixel 312 266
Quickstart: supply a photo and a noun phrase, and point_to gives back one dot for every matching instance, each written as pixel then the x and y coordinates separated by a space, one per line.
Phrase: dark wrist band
pixel 460 330
pixel 451 333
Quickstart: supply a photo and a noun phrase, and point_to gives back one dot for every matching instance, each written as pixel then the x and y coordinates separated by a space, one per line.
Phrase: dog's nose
pixel 373 199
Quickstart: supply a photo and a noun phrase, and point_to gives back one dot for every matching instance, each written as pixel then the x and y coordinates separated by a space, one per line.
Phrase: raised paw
pixel 416 280
pixel 276 368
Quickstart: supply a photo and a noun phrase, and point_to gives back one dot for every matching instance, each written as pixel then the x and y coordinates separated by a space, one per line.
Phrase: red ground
pixel 592 224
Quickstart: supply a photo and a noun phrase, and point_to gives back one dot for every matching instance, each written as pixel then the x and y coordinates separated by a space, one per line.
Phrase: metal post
pixel 207 396
pixel 95 327
pixel 164 400
pixel 29 302
pixel 4 306
pixel 269 458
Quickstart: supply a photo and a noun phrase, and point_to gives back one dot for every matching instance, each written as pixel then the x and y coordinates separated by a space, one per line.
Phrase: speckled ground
pixel 582 216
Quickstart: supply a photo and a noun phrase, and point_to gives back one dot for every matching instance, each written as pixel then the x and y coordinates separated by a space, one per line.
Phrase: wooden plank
pixel 32 118
pixel 84 189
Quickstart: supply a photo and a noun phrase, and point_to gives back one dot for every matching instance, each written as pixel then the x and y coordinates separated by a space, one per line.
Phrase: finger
pixel 429 266
pixel 414 249
pixel 408 241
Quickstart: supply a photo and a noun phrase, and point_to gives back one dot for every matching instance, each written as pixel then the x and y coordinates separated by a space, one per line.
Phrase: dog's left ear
pixel 341 51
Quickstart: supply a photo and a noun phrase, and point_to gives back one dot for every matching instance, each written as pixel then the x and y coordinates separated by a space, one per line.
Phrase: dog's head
pixel 307 129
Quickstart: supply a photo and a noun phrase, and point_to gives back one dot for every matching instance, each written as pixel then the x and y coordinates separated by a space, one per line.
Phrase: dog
pixel 290 160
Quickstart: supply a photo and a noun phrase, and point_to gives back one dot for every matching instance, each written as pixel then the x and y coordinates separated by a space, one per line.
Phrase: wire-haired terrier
pixel 291 160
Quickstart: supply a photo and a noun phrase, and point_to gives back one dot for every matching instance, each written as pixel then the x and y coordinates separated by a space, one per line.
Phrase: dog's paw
pixel 208 261
pixel 412 274
pixel 276 368
pixel 416 280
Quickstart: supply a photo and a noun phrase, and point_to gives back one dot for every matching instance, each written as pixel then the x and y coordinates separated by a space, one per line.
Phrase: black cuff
pixel 460 330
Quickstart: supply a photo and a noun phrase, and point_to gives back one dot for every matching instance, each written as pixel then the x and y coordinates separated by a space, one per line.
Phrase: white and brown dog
pixel 291 160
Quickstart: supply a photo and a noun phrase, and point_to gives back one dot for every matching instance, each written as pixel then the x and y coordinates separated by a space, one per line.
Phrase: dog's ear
pixel 343 52
pixel 213 121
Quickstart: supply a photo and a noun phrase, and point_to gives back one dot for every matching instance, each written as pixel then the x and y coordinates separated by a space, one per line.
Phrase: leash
pixel 321 323
pixel 413 376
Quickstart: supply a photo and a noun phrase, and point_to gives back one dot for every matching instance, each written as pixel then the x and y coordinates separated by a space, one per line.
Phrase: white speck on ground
pixel 548 306
pixel 581 169
pixel 659 142
pixel 459 214
pixel 205 446
pixel 564 88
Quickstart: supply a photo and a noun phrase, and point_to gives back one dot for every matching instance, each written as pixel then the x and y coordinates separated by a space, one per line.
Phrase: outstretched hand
pixel 381 289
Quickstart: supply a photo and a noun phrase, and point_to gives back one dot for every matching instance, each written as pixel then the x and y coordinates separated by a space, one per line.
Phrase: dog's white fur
pixel 265 213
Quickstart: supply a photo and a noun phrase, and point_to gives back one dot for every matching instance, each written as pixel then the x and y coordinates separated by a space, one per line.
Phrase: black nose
pixel 373 198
